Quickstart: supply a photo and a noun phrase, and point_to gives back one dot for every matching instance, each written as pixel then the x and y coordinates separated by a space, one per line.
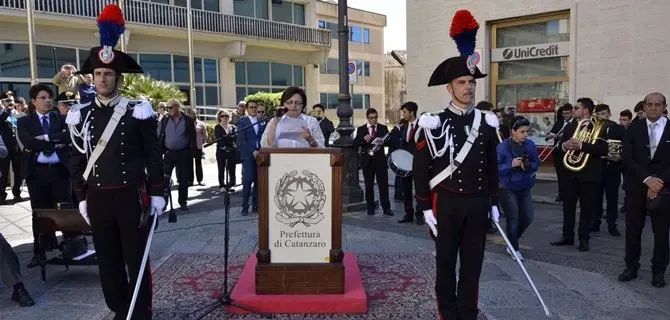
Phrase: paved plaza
pixel 574 285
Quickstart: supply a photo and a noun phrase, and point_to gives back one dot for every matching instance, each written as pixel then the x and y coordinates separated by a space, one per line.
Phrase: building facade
pixel 541 54
pixel 395 84
pixel 366 51
pixel 239 46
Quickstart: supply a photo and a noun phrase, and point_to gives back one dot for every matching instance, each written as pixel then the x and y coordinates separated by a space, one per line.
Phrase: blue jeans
pixel 249 177
pixel 518 208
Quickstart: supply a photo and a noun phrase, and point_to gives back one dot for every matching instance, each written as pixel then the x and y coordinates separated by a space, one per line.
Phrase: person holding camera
pixel 517 163
pixel 225 149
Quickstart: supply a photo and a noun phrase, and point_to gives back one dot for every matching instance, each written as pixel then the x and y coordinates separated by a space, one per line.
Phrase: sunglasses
pixel 261 112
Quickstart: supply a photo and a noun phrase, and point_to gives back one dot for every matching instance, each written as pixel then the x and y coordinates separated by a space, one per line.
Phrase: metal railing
pixel 162 15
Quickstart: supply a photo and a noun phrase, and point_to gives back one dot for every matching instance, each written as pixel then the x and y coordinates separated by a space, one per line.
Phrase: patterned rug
pixel 186 286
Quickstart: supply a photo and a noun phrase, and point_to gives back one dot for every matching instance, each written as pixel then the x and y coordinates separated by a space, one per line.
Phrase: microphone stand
pixel 224 299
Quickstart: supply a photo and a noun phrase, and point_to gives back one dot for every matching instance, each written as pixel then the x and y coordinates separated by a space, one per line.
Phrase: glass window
pixel 366 35
pixel 332 66
pixel 20 89
pixel 211 72
pixel 333 29
pixel 357 101
pixel 281 74
pixel 244 8
pixel 240 72
pixel 533 33
pixel 356 34
pixel 212 96
pixel 299 14
pixel 297 76
pixel 359 68
pixel 15 61
pixel 196 4
pixel 199 96
pixel 367 101
pixel 282 11
pixel 47 56
pixel 158 66
pixel 211 5
pixel 180 69
pixel 258 73
pixel 180 3
pixel 262 9
pixel 366 68
pixel 323 98
pixel 525 69
pixel 333 101
pixel 187 92
pixel 197 69
pixel 240 93
pixel 277 90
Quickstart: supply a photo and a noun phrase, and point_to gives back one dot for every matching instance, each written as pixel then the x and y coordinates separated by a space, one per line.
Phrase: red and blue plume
pixel 111 25
pixel 464 32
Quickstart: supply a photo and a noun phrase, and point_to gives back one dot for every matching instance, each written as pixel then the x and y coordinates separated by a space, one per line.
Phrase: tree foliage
pixel 143 86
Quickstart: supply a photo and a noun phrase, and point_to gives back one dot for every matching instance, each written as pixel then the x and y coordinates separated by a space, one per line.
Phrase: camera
pixel 525 159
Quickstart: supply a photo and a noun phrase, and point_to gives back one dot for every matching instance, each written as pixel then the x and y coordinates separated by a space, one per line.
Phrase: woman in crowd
pixel 294 129
pixel 517 163
pixel 224 133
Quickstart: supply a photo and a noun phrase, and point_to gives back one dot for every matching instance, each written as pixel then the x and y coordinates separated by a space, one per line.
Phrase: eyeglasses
pixel 223 116
pixel 260 111
pixel 297 103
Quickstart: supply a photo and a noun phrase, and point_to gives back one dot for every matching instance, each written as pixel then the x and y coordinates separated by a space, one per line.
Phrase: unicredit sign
pixel 547 50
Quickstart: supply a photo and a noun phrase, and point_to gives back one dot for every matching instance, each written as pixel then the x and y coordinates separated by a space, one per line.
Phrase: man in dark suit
pixel 555 134
pixel 646 154
pixel 611 174
pixel 8 134
pixel 46 157
pixel 582 185
pixel 408 143
pixel 367 136
pixel 177 140
pixel 249 141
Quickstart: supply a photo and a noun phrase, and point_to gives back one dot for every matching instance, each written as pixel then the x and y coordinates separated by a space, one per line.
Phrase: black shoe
pixel 583 245
pixel 613 230
pixel 36 260
pixel 388 213
pixel 406 219
pixel 21 296
pixel 628 274
pixel 419 221
pixel 657 280
pixel 563 242
pixel 595 227
pixel 371 213
pixel 183 207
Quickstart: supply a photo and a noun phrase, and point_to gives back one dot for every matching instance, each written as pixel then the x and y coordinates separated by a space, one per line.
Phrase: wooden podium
pixel 300 222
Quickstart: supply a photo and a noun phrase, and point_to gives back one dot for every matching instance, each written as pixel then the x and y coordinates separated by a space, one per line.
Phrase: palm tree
pixel 139 85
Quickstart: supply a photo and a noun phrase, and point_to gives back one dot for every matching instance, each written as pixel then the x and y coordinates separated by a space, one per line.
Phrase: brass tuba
pixel 587 131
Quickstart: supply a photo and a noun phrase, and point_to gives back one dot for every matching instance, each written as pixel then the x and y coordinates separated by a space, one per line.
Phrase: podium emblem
pixel 300 198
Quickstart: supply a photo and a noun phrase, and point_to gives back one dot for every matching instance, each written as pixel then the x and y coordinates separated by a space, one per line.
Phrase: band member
pixel 625 118
pixel 581 184
pixel 456 176
pixel 408 143
pixel 395 140
pixel 115 143
pixel 646 154
pixel 555 134
pixel 611 173
pixel 372 137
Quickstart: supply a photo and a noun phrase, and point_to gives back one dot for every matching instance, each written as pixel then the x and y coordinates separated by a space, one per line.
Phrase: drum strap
pixel 462 154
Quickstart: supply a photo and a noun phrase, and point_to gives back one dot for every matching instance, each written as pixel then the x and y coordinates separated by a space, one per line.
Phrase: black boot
pixel 407 218
pixel 583 245
pixel 657 280
pixel 613 230
pixel 21 296
pixel 564 241
pixel 629 274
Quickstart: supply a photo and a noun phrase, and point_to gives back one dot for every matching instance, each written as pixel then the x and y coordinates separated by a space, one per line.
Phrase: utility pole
pixel 31 42
pixel 191 63
pixel 123 35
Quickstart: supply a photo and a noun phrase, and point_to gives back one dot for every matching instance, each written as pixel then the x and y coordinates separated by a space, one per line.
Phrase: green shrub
pixel 269 100
pixel 210 130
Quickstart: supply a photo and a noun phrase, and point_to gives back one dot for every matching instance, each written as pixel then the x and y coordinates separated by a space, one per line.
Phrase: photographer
pixel 225 149
pixel 517 164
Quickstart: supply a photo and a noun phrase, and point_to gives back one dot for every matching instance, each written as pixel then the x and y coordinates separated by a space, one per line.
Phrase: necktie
pixel 411 132
pixel 46 128
pixel 374 131
pixel 652 138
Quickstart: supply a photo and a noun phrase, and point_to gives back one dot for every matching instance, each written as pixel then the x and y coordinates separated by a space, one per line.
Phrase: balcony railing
pixel 162 15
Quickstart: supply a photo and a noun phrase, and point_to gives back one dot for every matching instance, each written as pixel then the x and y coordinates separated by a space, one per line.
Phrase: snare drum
pixel 400 162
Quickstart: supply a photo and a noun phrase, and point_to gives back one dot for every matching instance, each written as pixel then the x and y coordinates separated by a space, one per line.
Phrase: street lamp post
pixel 351 189
pixel 191 63
pixel 31 42
pixel 123 35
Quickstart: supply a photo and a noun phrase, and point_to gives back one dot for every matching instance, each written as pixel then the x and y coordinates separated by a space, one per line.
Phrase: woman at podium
pixel 291 127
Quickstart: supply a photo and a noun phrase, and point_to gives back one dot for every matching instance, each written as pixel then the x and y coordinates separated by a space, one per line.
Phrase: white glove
pixel 430 220
pixel 495 214
pixel 157 205
pixel 82 210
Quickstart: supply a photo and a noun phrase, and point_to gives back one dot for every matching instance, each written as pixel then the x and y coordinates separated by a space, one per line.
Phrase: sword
pixel 523 268
pixel 142 267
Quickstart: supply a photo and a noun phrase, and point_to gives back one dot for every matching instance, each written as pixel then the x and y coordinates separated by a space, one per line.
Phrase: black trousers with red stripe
pixel 461 230
pixel 119 243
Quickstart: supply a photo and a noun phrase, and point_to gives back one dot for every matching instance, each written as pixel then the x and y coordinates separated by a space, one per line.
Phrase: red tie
pixel 411 132
pixel 374 132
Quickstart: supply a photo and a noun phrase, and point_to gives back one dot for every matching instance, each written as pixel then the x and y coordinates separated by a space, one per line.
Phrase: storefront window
pixel 534 33
pixel 536 68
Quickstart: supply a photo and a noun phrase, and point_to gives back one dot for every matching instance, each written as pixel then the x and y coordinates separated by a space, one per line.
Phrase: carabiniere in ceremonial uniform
pixel 116 167
pixel 456 177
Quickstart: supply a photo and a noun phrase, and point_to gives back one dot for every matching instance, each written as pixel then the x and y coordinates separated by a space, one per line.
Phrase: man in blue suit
pixel 249 141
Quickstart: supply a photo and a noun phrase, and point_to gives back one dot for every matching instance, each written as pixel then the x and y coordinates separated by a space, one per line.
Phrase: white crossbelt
pixel 462 154
pixel 119 110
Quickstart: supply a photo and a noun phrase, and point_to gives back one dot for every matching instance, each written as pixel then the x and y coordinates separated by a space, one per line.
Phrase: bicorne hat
pixel 464 32
pixel 66 96
pixel 110 27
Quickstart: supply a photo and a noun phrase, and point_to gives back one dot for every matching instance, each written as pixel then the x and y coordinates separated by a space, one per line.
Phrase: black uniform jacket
pixel 379 156
pixel 592 172
pixel 29 127
pixel 637 157
pixel 476 176
pixel 131 158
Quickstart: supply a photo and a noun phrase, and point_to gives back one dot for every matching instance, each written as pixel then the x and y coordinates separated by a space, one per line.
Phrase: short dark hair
pixel 36 89
pixel 257 102
pixel 290 91
pixel 519 122
pixel 484 105
pixel 602 107
pixel 7 94
pixel 587 103
pixel 411 106
pixel 626 113
pixel 566 107
pixel 370 111
pixel 318 105
pixel 639 106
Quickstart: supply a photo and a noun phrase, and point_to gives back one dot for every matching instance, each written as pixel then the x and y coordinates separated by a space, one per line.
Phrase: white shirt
pixel 310 122
pixel 253 120
pixel 658 131
pixel 41 158
pixel 370 130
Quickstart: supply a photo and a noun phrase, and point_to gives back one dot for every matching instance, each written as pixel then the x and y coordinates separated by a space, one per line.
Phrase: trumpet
pixel 375 148
pixel 587 131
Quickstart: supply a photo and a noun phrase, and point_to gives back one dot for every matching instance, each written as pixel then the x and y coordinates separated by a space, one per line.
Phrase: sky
pixel 395 37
